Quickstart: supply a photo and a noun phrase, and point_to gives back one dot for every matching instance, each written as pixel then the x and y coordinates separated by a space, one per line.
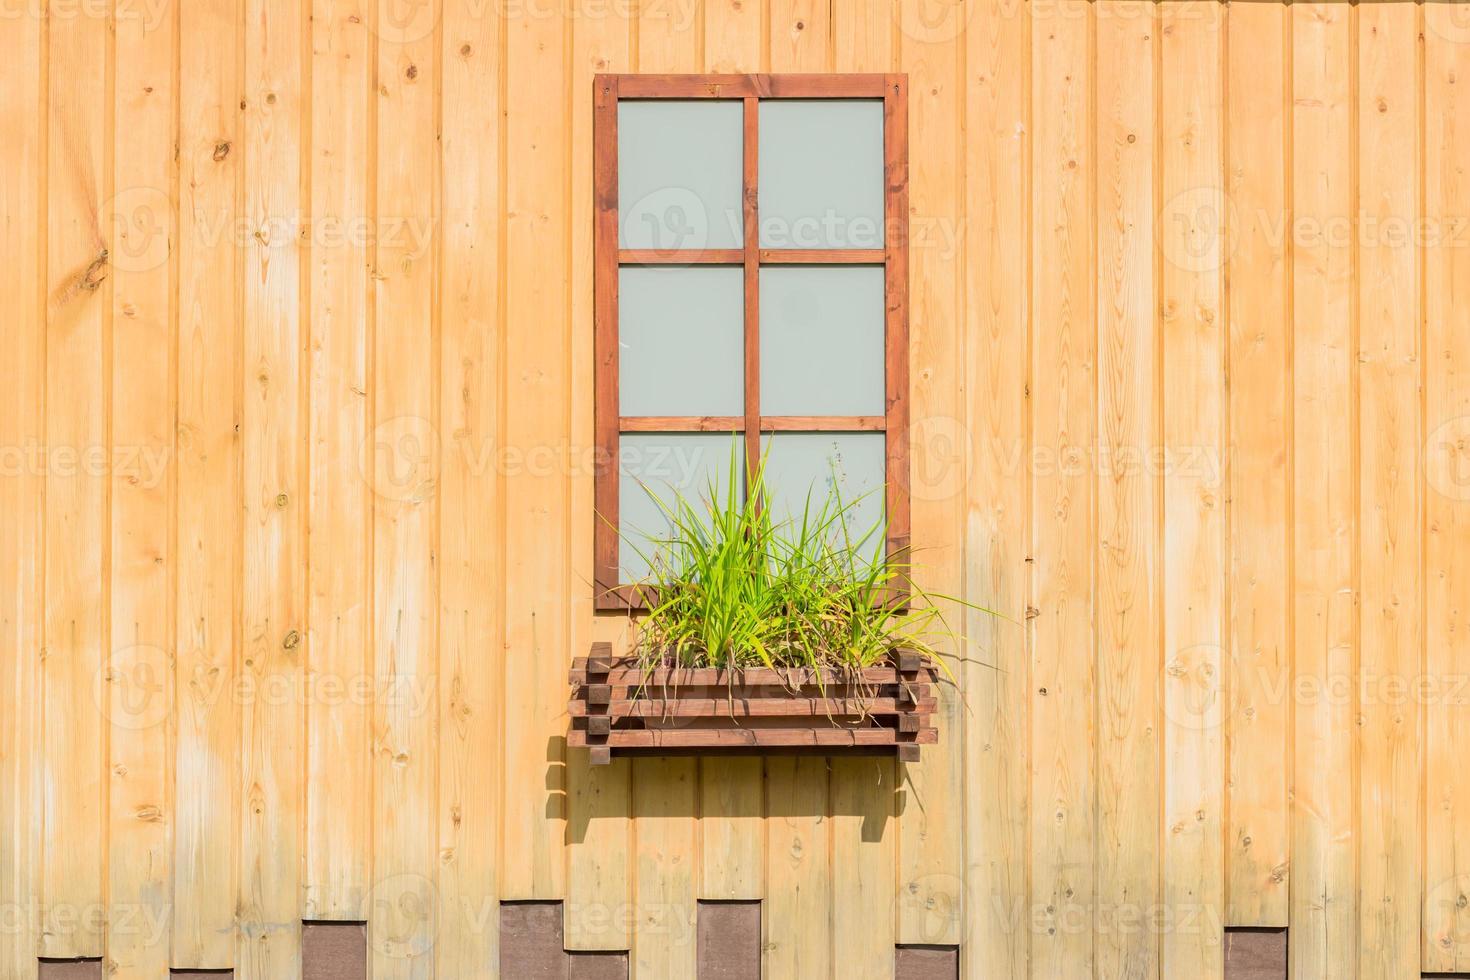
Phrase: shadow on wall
pixel 601 805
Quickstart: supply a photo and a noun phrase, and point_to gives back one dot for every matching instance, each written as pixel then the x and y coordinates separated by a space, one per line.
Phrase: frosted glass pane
pixel 657 466
pixel 680 166
pixel 822 340
pixel 681 340
pixel 818 462
pixel 821 174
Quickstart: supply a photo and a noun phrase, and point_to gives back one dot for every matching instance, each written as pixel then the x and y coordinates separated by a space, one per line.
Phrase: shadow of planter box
pixel 619 708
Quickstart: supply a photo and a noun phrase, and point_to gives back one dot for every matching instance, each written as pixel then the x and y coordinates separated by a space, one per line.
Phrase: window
pixel 751 274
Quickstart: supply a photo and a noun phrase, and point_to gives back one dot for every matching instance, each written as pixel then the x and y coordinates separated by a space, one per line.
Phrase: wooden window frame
pixel 608 258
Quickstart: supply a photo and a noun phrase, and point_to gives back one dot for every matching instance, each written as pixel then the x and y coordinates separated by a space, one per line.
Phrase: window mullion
pixel 752 288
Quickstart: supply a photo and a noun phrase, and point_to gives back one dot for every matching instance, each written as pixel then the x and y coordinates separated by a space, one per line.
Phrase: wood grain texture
pixel 1193 239
pixel 408 450
pixel 927 963
pixel 74 639
pixel 1447 496
pixel 664 868
pixel 864 842
pixel 996 389
pixel 796 919
pixel 1128 498
pixel 1061 617
pixel 537 400
pixel 338 848
pixel 141 239
pixel 1390 358
pixel 23 205
pixel 930 852
pixel 471 493
pixel 1323 912
pixel 1257 660
pixel 208 500
pixel 598 802
pixel 273 546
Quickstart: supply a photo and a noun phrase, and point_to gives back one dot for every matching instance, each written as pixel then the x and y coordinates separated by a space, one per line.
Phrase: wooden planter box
pixel 618 709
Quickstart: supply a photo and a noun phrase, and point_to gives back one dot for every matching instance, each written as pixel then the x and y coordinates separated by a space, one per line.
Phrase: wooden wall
pixel 296 511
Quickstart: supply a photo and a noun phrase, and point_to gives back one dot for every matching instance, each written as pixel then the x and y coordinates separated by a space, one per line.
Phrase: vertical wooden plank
pixel 1390 370
pixel 537 383
pixel 407 449
pixel 77 266
pixel 1063 832
pixel 666 792
pixel 208 483
pixel 1257 665
pixel 864 837
pixel 732 35
pixel 273 551
pixel 1323 913
pixel 996 225
pixel 800 35
pixel 597 796
pixel 22 335
pixel 140 705
pixel 1447 499
pixel 1128 583
pixel 930 855
pixel 471 497
pixel 1193 239
pixel 731 790
pixel 664 869
pixel 796 920
pixel 339 779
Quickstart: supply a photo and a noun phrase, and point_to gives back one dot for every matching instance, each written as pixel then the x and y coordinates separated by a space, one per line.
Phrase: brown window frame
pixel 608 91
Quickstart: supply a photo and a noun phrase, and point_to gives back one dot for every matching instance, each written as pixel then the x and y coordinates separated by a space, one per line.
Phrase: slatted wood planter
pixel 619 709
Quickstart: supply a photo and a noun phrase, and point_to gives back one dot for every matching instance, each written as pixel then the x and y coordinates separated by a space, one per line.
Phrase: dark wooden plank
pixel 754 737
pixel 334 951
pixel 531 943
pixel 599 965
pixel 605 337
pixel 896 319
pixel 600 660
pixel 691 676
pixel 823 256
pixel 926 963
pixel 70 969
pixel 681 256
pixel 719 707
pixel 729 941
pixel 1255 954
pixel 199 974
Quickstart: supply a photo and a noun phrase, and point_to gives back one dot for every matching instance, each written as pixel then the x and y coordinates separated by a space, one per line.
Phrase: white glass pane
pixel 661 466
pixel 822 340
pixel 681 340
pixel 680 174
pixel 821 174
pixel 819 463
